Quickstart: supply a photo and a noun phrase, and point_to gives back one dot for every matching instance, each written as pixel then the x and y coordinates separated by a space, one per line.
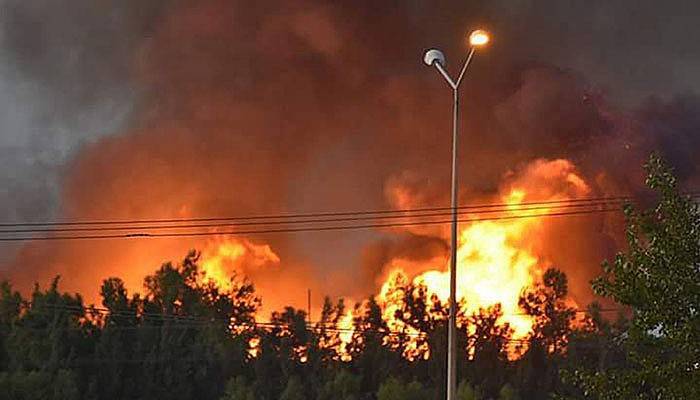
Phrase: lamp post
pixel 435 58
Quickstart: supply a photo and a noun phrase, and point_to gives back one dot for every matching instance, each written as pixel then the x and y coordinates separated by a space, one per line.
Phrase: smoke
pixel 180 109
pixel 64 82
pixel 630 49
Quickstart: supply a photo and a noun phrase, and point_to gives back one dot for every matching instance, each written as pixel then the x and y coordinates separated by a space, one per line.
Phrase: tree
pixel 393 389
pixel 291 339
pixel 237 388
pixel 45 340
pixel 116 379
pixel 10 303
pixel 39 385
pixel 658 277
pixel 343 386
pixel 423 317
pixel 183 339
pixel 283 354
pixel 369 346
pixel 594 346
pixel 507 392
pixel 538 369
pixel 465 391
pixel 487 344
pixel 547 304
pixel 327 338
pixel 294 390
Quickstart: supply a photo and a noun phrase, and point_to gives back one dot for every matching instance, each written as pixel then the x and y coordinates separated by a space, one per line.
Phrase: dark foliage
pixel 185 338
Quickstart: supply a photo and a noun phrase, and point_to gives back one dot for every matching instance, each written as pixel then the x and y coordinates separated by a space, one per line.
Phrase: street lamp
pixel 435 58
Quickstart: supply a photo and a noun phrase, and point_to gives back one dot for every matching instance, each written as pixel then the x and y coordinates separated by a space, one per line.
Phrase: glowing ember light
pixel 254 347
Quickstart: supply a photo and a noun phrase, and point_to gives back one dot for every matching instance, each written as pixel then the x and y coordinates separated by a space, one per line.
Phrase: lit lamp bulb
pixel 479 38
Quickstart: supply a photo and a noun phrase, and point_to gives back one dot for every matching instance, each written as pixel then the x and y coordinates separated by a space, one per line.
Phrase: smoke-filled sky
pixel 115 109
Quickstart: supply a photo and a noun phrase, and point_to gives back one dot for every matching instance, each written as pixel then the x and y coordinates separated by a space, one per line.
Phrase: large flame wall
pixel 269 108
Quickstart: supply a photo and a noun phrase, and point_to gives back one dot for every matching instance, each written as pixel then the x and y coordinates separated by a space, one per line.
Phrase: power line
pixel 319 214
pixel 480 209
pixel 512 208
pixel 133 235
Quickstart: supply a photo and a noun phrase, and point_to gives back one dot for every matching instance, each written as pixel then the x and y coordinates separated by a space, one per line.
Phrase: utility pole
pixel 308 305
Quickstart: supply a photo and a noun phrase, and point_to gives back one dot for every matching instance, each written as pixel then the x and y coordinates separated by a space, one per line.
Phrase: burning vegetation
pixel 199 321
pixel 286 108
pixel 498 264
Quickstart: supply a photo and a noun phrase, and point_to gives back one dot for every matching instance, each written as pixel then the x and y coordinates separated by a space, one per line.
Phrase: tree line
pixel 186 338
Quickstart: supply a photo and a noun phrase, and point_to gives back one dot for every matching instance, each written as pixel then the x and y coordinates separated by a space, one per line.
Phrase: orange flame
pixel 226 257
pixel 497 261
pixel 494 262
pixel 347 329
pixel 490 270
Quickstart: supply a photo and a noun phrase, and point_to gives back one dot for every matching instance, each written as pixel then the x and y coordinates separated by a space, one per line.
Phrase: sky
pixel 230 107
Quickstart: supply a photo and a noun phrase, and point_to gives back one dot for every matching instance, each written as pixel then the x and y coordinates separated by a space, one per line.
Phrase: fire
pixel 226 257
pixel 346 329
pixel 495 262
pixel 491 270
pixel 254 347
pixel 391 299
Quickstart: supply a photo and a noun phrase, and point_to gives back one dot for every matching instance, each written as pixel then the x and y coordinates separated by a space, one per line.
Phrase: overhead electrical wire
pixel 293 225
pixel 305 215
pixel 512 208
pixel 602 204
pixel 319 214
pixel 132 235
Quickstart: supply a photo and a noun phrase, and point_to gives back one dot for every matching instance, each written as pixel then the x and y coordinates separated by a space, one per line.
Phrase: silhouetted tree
pixel 295 390
pixel 394 389
pixel 658 276
pixel 237 388
pixel 10 304
pixel 343 386
pixel 539 367
pixel 369 349
pixel 50 337
pixel 488 344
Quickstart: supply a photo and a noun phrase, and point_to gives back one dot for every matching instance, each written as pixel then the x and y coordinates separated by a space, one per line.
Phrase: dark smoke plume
pixel 239 108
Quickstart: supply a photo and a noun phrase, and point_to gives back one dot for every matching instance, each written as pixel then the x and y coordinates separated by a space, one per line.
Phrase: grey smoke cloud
pixel 64 82
pixel 633 49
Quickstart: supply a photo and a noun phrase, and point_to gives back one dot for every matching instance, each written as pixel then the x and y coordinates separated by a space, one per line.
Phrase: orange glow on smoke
pixel 226 257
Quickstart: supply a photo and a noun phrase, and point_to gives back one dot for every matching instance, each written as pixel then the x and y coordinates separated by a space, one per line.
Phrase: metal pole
pixel 452 320
pixel 452 329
